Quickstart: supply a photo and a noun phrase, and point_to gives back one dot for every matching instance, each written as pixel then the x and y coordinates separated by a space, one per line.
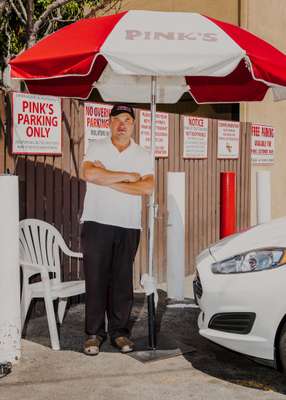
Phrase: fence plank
pixel 21 172
pixel 66 164
pixel 247 173
pixel 74 184
pixel 40 188
pixel 31 187
pixel 9 158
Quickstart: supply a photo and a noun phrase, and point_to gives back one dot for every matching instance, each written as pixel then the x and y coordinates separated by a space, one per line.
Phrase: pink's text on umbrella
pixel 133 34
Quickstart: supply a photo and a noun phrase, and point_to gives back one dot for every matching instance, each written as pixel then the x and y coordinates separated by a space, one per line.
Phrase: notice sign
pixel 228 139
pixel 195 137
pixel 262 144
pixel 161 132
pixel 36 124
pixel 96 122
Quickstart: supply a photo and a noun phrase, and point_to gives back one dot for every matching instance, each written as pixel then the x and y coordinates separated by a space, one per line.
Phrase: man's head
pixel 122 108
pixel 122 119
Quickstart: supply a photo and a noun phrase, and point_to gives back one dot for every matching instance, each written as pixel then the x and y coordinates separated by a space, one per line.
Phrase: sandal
pixel 123 344
pixel 92 345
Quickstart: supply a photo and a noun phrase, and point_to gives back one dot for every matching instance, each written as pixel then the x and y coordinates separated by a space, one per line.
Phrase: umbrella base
pixel 166 348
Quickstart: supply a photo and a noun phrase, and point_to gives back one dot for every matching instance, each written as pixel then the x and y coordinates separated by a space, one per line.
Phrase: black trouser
pixel 108 256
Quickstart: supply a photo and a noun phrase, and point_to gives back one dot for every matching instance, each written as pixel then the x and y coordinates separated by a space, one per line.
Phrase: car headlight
pixel 252 261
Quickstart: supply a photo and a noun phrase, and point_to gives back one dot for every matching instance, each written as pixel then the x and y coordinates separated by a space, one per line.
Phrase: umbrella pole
pixel 152 215
pixel 155 347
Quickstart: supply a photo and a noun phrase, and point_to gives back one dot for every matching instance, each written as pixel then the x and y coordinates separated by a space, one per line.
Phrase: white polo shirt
pixel 108 206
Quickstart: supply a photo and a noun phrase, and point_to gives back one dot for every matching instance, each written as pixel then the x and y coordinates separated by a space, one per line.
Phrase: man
pixel 118 172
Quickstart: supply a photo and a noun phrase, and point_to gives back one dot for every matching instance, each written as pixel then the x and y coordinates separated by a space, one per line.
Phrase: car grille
pixel 237 322
pixel 197 286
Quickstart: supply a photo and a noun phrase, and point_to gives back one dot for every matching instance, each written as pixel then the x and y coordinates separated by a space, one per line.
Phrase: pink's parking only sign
pixel 36 125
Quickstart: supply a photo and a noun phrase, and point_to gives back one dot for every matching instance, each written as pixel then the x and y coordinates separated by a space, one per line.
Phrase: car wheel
pixel 282 348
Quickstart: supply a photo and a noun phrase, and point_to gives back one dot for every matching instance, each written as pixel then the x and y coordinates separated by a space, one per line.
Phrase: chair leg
pixel 25 304
pixel 55 343
pixel 61 308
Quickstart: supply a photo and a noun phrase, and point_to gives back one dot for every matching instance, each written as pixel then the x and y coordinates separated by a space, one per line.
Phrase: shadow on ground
pixel 177 323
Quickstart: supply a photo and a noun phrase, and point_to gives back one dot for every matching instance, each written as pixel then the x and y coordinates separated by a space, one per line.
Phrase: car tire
pixel 282 348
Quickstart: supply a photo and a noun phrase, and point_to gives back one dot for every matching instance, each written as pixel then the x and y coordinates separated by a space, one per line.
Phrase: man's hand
pixel 132 177
pixel 98 164
pixel 144 186
pixel 95 172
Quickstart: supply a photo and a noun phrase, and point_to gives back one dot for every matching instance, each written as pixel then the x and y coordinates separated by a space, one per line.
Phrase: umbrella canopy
pixel 212 60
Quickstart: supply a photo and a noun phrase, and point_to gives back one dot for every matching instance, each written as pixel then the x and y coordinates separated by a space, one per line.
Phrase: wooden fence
pixel 51 189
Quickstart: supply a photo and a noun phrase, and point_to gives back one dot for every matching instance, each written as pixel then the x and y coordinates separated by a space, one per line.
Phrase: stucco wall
pixel 221 9
pixel 267 20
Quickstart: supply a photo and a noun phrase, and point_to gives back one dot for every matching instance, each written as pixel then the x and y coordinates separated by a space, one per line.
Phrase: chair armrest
pixel 70 253
pixel 31 269
pixel 35 268
pixel 66 250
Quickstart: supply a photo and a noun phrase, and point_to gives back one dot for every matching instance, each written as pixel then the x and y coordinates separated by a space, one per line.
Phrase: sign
pixel 36 124
pixel 161 132
pixel 228 139
pixel 96 122
pixel 262 144
pixel 195 137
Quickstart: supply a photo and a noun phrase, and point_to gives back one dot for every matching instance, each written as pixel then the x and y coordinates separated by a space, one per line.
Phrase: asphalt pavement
pixel 207 372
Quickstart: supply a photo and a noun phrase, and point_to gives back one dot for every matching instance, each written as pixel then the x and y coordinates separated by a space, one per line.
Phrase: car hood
pixel 272 234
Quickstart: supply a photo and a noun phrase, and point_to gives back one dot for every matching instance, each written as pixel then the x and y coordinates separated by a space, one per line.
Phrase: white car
pixel 240 287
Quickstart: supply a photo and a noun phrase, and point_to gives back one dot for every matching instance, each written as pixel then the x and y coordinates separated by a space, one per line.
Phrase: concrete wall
pixel 267 20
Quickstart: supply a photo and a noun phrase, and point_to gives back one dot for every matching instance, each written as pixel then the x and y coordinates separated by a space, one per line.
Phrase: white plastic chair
pixel 40 243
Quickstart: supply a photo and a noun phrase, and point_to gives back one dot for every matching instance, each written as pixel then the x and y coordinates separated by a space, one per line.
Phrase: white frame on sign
pixel 142 137
pixel 199 129
pixel 255 160
pixel 15 149
pixel 223 156
pixel 88 136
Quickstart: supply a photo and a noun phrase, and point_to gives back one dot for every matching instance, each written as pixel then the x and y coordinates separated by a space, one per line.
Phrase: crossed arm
pixel 126 182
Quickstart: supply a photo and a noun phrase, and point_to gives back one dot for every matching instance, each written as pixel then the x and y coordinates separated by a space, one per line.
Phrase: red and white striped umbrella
pixel 214 61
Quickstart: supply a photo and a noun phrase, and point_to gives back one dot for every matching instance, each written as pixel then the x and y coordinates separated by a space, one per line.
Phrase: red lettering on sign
pixel 35 107
pixel 196 121
pixel 41 132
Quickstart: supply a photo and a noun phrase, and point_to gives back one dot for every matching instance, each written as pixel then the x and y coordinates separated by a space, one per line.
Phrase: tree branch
pixel 17 12
pixel 105 5
pixel 30 22
pixel 113 4
pixel 53 6
pixel 3 4
pixel 8 35
pixel 24 12
pixel 48 30
pixel 55 19
pixel 43 17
